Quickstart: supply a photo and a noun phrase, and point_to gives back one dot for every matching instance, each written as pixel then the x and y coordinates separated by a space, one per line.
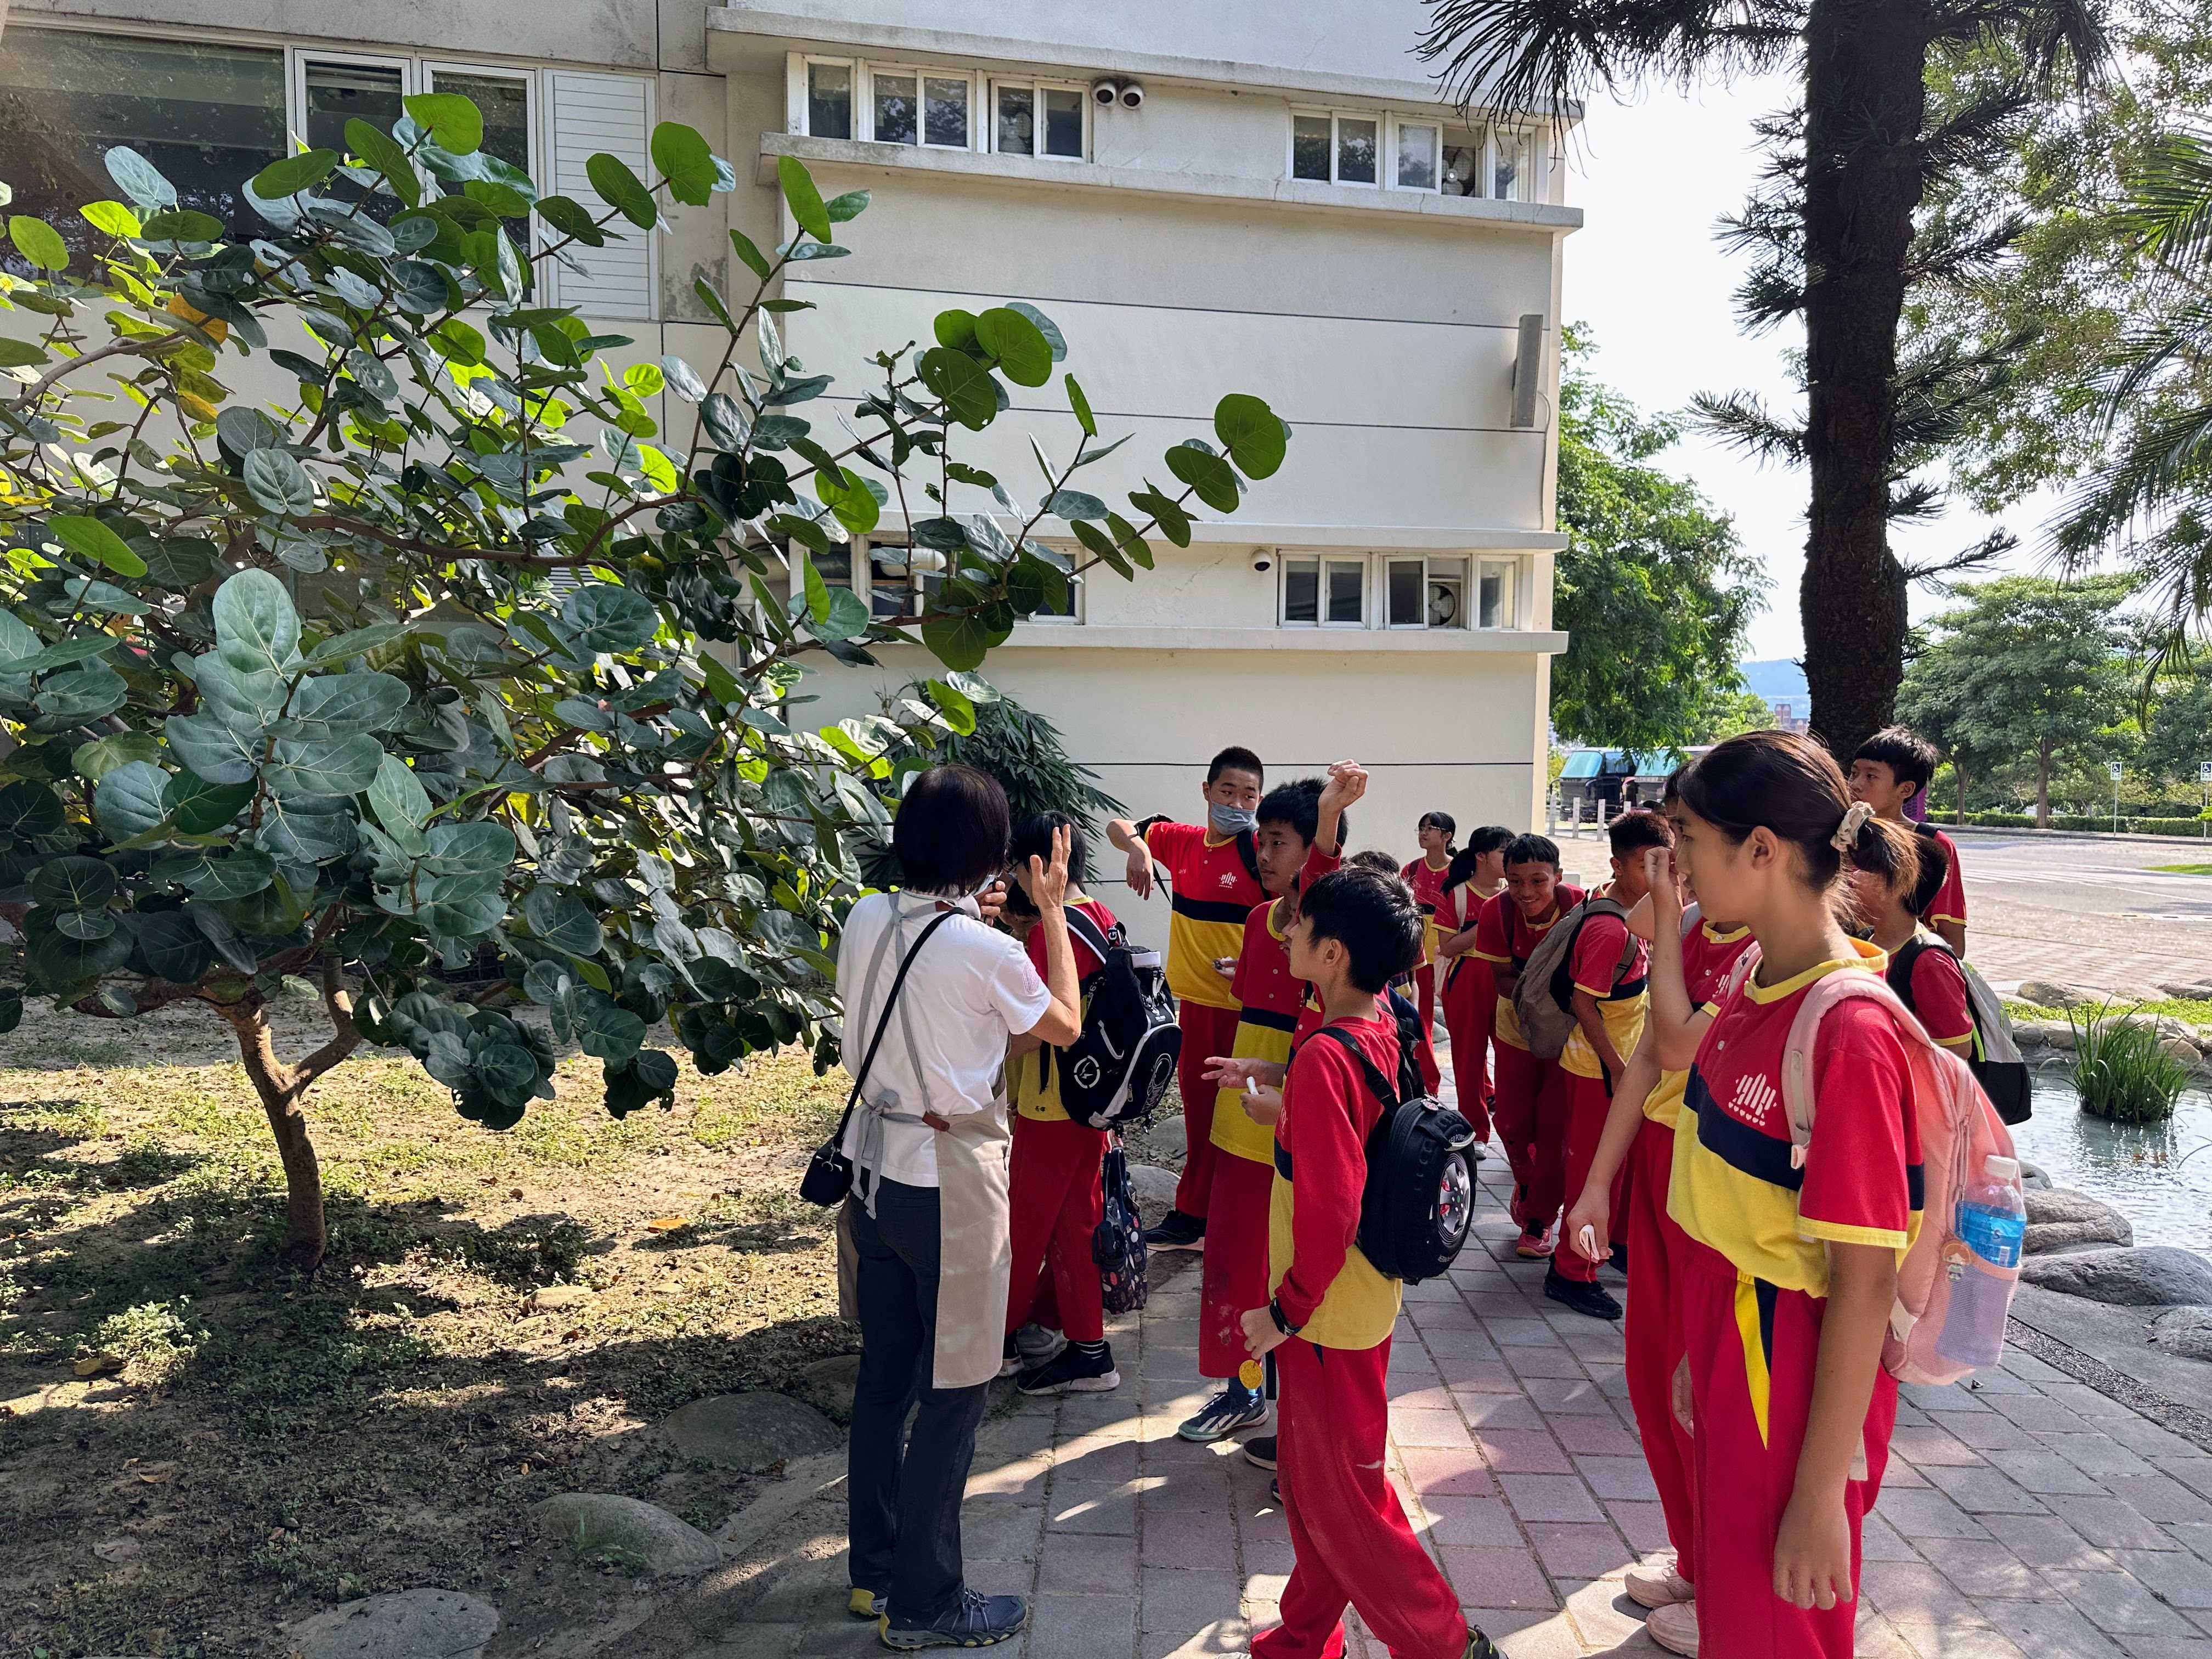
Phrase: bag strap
pixel 1377 1085
pixel 1088 930
pixel 1840 985
pixel 1248 854
pixel 883 1020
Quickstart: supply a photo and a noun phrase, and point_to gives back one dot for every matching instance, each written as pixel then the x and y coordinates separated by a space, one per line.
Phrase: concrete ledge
pixel 1081 636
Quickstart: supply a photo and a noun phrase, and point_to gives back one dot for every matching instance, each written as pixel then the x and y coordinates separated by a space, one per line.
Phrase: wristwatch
pixel 1282 1321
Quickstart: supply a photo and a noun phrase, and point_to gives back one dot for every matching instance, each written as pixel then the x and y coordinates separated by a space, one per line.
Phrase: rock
pixel 2032 1176
pixel 2058 1219
pixel 2059 1038
pixel 628 1531
pixel 2185 1331
pixel 416 1624
pixel 1170 1133
pixel 2031 1033
pixel 2158 1275
pixel 828 1385
pixel 547 1298
pixel 2048 994
pixel 1151 1184
pixel 751 1432
pixel 2181 1049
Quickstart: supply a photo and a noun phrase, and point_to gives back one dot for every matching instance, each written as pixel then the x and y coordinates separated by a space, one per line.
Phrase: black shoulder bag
pixel 829 1177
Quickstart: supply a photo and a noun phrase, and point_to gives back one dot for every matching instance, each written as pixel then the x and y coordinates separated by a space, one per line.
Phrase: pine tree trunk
pixel 2043 786
pixel 1866 102
pixel 1958 771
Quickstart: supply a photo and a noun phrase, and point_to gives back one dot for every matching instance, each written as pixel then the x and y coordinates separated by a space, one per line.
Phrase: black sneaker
pixel 1480 1646
pixel 1009 1358
pixel 1176 1231
pixel 1261 1449
pixel 1619 1259
pixel 975 1621
pixel 1234 1407
pixel 1071 1371
pixel 1584 1299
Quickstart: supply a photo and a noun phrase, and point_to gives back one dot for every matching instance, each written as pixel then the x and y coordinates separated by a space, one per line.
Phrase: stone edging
pixel 2160 1407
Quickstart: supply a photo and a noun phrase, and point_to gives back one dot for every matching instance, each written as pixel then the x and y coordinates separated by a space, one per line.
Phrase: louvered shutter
pixel 613 113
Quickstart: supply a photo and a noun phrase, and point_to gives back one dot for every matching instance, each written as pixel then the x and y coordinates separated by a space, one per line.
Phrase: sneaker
pixel 1176 1231
pixel 1584 1299
pixel 864 1603
pixel 1009 1358
pixel 1619 1259
pixel 975 1621
pixel 1275 1490
pixel 1674 1626
pixel 1480 1646
pixel 1657 1585
pixel 1071 1371
pixel 1534 1245
pixel 1259 1449
pixel 1234 1407
pixel 1520 1198
pixel 1035 1344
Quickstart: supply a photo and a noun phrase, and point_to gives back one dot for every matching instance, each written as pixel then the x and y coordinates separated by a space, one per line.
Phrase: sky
pixel 1652 176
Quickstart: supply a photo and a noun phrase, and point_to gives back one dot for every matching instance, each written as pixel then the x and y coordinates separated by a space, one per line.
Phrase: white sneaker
pixel 1037 1345
pixel 1656 1583
pixel 1675 1627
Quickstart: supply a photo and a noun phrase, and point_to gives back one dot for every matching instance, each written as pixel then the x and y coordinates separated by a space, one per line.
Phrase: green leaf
pixel 623 190
pixel 955 330
pixel 402 805
pixel 306 833
pixel 63 654
pixel 21 353
pixel 725 421
pixel 1174 522
pixel 806 204
pixel 1252 433
pixel 1081 405
pixel 603 617
pixel 454 124
pixel 1127 541
pixel 293 173
pixel 338 705
pixel 1098 541
pixel 1045 327
pixel 308 767
pixel 185 226
pixel 571 219
pixel 132 792
pixel 960 642
pixel 211 749
pixel 29 810
pixel 686 160
pixel 748 251
pixel 278 483
pixel 73 884
pixel 1206 473
pixel 358 642
pixel 39 242
pixel 970 394
pixel 139 179
pixel 112 218
pixel 255 625
pixel 1019 344
pixel 383 153
pixel 172 946
pixel 562 922
pixel 851 205
pixel 811 585
pixel 1073 504
pixel 202 808
pixel 958 708
pixel 94 761
pixel 858 502
pixel 246 702
pixel 89 539
pixel 847 616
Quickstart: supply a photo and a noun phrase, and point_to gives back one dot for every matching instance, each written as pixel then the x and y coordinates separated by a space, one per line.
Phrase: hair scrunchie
pixel 1847 833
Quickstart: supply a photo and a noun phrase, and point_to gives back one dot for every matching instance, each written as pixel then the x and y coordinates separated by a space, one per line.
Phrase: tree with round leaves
pixel 456 681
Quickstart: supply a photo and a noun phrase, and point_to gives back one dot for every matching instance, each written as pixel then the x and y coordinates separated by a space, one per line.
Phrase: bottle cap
pixel 2001 1169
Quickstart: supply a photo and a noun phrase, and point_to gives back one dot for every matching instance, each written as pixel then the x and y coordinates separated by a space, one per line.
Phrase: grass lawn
pixel 2182 869
pixel 2190 1012
pixel 272 1444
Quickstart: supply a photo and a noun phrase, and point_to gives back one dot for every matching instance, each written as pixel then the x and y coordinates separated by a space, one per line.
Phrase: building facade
pixel 1261 196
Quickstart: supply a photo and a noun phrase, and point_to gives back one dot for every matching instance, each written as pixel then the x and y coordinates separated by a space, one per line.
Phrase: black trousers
pixel 906 1493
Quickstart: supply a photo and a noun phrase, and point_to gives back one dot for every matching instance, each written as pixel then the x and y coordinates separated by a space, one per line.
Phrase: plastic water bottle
pixel 1992 1222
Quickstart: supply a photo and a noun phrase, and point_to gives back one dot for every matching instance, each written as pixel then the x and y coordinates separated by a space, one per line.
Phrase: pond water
pixel 2145 1170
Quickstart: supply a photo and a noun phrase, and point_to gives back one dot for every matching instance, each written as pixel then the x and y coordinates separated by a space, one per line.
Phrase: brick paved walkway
pixel 2028 1516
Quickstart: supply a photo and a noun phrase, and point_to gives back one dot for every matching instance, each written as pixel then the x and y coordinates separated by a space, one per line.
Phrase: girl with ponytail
pixel 1426 876
pixel 1789 1269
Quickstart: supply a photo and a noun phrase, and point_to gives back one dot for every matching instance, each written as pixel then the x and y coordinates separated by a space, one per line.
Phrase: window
pixel 338 89
pixel 1512 165
pixel 1029 119
pixel 1494 600
pixel 1409 590
pixel 937 108
pixel 1343 150
pixel 1353 147
pixel 209 116
pixel 1325 592
pixel 504 98
pixel 830 100
pixel 1425 592
pixel 1416 156
pixel 1462 165
pixel 895 589
pixel 907 106
pixel 1311 144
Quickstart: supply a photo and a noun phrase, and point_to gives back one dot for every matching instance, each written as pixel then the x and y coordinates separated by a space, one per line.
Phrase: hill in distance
pixel 1778 679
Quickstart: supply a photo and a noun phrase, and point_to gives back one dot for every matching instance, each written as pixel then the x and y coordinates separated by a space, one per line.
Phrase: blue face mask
pixel 1231 820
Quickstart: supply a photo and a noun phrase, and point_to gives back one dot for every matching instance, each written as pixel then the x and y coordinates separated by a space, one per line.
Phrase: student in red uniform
pixel 1329 1320
pixel 1608 971
pixel 1892 767
pixel 1301 828
pixel 1639 1136
pixel 1425 876
pixel 1791 1259
pixel 1054 1202
pixel 1530 1109
pixel 1923 973
pixel 1467 993
pixel 1214 873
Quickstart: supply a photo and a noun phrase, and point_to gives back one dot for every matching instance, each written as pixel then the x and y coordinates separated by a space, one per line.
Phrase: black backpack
pixel 1117 1072
pixel 1994 1058
pixel 1418 1200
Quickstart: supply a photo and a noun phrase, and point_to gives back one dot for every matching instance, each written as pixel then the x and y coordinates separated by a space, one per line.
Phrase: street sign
pixel 2204 771
pixel 2115 768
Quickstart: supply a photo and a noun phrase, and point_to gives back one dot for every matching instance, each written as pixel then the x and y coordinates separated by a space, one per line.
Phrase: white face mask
pixel 1231 820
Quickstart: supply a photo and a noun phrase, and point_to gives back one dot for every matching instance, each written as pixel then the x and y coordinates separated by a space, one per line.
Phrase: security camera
pixel 1104 93
pixel 1133 96
pixel 1263 560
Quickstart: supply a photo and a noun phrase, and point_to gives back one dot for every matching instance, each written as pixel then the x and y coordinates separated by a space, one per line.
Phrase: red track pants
pixel 1206 1032
pixel 1470 1001
pixel 1531 1116
pixel 1425 992
pixel 1753 1345
pixel 1347 1527
pixel 1587 1101
pixel 1234 1277
pixel 1054 1203
pixel 1655 1248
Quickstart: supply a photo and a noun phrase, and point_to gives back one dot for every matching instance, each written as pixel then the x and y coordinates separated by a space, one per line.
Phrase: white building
pixel 1262 196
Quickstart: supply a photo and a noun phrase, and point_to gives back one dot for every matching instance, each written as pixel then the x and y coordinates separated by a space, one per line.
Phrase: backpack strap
pixel 1248 854
pixel 1088 930
pixel 1840 986
pixel 1377 1085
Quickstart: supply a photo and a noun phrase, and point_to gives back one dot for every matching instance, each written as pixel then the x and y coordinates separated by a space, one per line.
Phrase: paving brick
pixel 1458 1470
pixel 1879 1542
pixel 1561 1394
pixel 2157 1499
pixel 1985 1569
pixel 1093 1506
pixel 1987 1432
pixel 1419 1393
pixel 2048 1630
pixel 1523 1333
pixel 2194 1473
pixel 1617 1477
pixel 1506 1411
pixel 1004 1531
pixel 1075 1564
pixel 1549 1498
pixel 2047 1541
pixel 1543 1362
pixel 1475 1521
pixel 2114 1602
pixel 1478 1376
pixel 1590 1550
pixel 1188 1538
pixel 2082 1397
pixel 1912 1593
pixel 1082 1626
pixel 1926 1515
pixel 2046 1472
pixel 2109 1523
pixel 1984 1491
pixel 1428 1428
pixel 1497 1577
pixel 1092 1459
pixel 1178 1601
pixel 1645 1525
pixel 1932 1445
pixel 2098 1453
pixel 1946 1399
pixel 1522 1451
pixel 2175 1577
pixel 2169 1647
pixel 1596 1437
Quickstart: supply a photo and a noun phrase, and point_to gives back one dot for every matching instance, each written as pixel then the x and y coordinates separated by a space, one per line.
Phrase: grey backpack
pixel 1543 998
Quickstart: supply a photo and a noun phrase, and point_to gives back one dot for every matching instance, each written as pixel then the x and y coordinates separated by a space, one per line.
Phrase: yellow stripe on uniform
pixel 1751 1331
pixel 1234 1130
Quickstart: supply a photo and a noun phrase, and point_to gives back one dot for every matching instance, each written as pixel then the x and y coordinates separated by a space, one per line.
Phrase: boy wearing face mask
pixel 1213 870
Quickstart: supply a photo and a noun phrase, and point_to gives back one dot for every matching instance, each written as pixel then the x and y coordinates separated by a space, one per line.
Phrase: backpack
pixel 1118 1070
pixel 1958 1129
pixel 1117 1242
pixel 1419 1200
pixel 1543 998
pixel 1994 1057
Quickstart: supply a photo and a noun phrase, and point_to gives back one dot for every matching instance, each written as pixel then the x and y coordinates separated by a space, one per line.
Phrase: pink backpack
pixel 1958 1128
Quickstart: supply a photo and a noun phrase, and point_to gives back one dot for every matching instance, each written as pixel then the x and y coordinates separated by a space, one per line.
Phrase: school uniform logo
pixel 1227 879
pixel 1755 1096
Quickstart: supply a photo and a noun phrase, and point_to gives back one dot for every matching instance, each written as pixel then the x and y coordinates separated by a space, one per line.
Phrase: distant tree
pixel 1653 590
pixel 2178 730
pixel 1729 714
pixel 1025 752
pixel 2027 667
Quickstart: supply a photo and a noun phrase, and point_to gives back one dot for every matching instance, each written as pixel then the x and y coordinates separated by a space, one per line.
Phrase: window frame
pixel 867 69
pixel 987 136
pixel 1511 610
pixel 1428 562
pixel 297 58
pixel 1387 124
pixel 1375 589
pixel 1385 163
pixel 540 110
pixel 1323 560
pixel 1398 123
pixel 983 84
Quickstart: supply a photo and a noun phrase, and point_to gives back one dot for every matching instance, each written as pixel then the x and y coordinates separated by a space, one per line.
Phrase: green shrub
pixel 153 1340
pixel 2118 1070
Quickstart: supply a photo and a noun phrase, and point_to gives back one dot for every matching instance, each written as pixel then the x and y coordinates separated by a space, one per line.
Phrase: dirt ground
pixel 272 1445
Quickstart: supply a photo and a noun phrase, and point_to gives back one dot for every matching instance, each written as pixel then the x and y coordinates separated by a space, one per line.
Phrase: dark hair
pixel 1641 828
pixel 1673 791
pixel 1533 849
pixel 951 831
pixel 1375 858
pixel 1788 783
pixel 1480 844
pixel 1909 757
pixel 1373 916
pixel 1033 834
pixel 1236 758
pixel 1934 871
pixel 1442 820
pixel 1297 806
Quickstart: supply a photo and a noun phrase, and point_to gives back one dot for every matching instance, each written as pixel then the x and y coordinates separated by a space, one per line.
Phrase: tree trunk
pixel 1865 104
pixel 2043 786
pixel 1958 771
